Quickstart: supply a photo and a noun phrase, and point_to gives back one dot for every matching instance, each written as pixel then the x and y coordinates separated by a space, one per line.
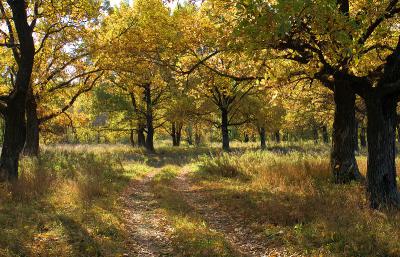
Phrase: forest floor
pixel 156 206
pixel 117 201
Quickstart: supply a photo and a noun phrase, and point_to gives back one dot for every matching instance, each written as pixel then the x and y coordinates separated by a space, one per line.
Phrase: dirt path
pixel 146 226
pixel 243 239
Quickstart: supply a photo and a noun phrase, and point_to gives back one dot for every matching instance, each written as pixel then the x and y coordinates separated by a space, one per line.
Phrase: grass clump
pixel 222 165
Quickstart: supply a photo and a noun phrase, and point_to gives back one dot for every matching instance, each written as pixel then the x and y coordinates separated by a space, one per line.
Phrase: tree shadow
pixel 325 220
pixel 79 238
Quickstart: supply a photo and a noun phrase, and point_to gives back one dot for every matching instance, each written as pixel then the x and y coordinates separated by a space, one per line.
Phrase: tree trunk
pixel 343 162
pixel 363 139
pixel 381 134
pixel 173 134
pixel 179 134
pixel 356 146
pixel 32 126
pixel 132 137
pixel 149 119
pixel 277 137
pixel 14 113
pixel 225 130
pixel 262 138
pixel 189 132
pixel 325 135
pixel 14 137
pixel 246 138
pixel 398 133
pixel 315 135
pixel 197 139
pixel 141 139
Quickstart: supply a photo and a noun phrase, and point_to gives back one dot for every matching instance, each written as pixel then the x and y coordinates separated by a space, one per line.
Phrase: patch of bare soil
pixel 146 226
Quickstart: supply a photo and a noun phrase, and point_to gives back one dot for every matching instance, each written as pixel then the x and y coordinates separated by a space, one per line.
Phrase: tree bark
pixel 179 134
pixel 173 134
pixel 381 134
pixel 356 146
pixel 246 138
pixel 32 126
pixel 14 137
pixel 343 162
pixel 14 114
pixel 225 130
pixel 141 139
pixel 277 137
pixel 189 132
pixel 315 135
pixel 325 135
pixel 149 119
pixel 398 131
pixel 132 137
pixel 263 140
pixel 363 139
pixel 197 139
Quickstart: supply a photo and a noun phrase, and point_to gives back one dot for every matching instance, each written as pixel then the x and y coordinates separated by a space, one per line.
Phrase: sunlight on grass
pixel 293 203
pixel 66 203
pixel 190 236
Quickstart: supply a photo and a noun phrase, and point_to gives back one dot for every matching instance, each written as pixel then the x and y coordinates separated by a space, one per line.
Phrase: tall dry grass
pixel 290 200
pixel 66 203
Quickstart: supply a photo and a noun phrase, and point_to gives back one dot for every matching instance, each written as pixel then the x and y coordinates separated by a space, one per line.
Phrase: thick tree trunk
pixel 325 135
pixel 149 119
pixel 150 136
pixel 14 113
pixel 343 162
pixel 356 146
pixel 398 133
pixel 363 139
pixel 32 126
pixel 381 134
pixel 14 137
pixel 225 130
pixel 263 140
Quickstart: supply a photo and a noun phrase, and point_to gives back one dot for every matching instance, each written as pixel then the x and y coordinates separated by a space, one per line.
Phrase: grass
pixel 191 235
pixel 287 198
pixel 291 202
pixel 67 202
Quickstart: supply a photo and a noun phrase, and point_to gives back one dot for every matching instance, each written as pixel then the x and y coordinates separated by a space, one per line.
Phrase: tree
pixel 144 62
pixel 267 113
pixel 342 49
pixel 20 39
pixel 310 109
